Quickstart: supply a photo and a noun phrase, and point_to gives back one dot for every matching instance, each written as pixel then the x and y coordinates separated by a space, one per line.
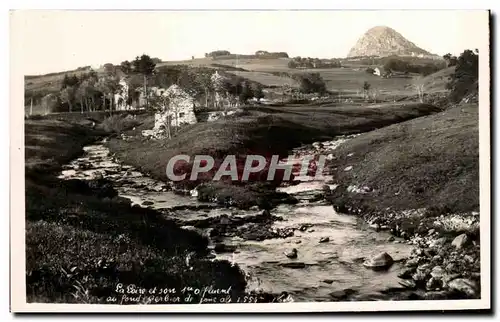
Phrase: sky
pixel 51 41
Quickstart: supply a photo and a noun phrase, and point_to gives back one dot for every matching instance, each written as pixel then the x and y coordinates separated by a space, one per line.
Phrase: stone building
pixel 178 109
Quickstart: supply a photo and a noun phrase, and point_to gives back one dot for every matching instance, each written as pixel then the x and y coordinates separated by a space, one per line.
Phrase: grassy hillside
pixel 264 131
pixel 432 161
pixel 437 82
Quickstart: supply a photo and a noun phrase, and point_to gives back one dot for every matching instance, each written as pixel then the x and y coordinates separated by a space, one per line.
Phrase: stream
pixel 323 271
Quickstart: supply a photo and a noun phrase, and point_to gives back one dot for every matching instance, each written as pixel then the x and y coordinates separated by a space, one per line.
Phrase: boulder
pixel 324 239
pixel 413 262
pixel 437 271
pixel 408 283
pixel 434 283
pixel 460 241
pixel 291 254
pixel 419 276
pixel 380 261
pixel 464 286
pixel 407 273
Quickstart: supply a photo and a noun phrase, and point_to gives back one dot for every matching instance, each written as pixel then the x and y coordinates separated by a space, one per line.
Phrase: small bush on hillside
pixel 311 83
pixel 119 123
pixel 370 70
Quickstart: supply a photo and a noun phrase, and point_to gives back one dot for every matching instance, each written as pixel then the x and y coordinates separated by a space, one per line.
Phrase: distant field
pixel 249 64
pixel 266 79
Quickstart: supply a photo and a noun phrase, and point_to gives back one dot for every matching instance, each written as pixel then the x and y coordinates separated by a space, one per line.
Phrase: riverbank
pixel 65 220
pixel 420 181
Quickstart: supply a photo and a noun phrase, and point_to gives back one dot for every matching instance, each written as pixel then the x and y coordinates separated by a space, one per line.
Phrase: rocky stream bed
pixel 308 251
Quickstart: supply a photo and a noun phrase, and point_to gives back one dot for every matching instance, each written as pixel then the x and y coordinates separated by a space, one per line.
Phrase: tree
pixel 67 95
pixel 311 83
pixel 220 84
pixel 156 60
pixel 126 67
pixel 419 84
pixel 205 81
pixel 108 86
pixel 366 88
pixel 450 60
pixel 257 90
pixel 292 64
pixel 246 92
pixel 285 88
pixel 50 103
pixel 109 68
pixel 69 81
pixel 145 66
pixel 464 81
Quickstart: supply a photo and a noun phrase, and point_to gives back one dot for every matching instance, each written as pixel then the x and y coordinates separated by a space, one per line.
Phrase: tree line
pixel 403 66
pixel 308 62
pixel 92 91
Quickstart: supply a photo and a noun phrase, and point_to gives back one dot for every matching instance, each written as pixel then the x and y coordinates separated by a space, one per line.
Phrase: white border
pixel 18 303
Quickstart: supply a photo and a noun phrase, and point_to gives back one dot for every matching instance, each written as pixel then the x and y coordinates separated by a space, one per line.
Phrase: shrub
pixel 119 123
pixel 311 83
pixel 464 81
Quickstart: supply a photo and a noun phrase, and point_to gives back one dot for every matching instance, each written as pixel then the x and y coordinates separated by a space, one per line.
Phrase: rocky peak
pixel 384 41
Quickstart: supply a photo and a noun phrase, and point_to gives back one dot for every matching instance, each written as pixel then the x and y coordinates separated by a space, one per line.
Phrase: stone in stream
pixel 317 145
pixel 324 239
pixel 304 227
pixel 292 253
pixel 407 273
pixel 327 281
pixel 413 262
pixel 464 286
pixel 437 271
pixel 408 283
pixel 434 283
pixel 379 262
pixel 293 265
pixel 349 168
pixel 419 276
pixel 147 203
pixel 460 241
pixel 342 294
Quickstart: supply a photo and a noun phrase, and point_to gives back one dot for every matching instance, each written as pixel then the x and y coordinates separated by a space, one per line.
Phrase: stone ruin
pixel 179 110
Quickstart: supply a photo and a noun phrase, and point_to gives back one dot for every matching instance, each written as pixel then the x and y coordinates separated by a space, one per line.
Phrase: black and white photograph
pixel 250 160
